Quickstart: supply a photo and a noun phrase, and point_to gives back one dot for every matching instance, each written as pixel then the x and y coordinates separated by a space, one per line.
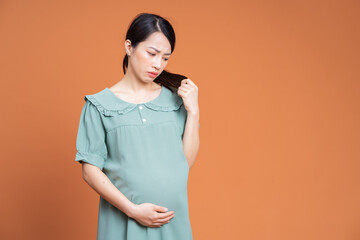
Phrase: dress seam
pixel 147 124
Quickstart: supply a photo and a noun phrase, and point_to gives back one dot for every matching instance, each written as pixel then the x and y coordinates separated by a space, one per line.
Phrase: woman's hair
pixel 143 25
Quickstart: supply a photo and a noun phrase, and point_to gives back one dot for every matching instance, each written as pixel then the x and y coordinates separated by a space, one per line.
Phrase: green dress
pixel 139 148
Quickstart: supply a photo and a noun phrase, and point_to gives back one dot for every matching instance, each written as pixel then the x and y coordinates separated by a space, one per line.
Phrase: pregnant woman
pixel 138 139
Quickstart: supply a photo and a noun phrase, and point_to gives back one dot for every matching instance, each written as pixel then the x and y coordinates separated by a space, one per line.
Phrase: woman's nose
pixel 157 63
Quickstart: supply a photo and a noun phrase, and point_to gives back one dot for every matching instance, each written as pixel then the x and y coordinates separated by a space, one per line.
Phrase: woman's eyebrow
pixel 159 51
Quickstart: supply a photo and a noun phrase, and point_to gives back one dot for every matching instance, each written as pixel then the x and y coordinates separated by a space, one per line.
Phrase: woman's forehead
pixel 157 42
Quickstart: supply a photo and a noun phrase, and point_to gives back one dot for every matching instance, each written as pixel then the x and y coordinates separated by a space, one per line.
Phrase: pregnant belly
pixel 162 186
pixel 147 164
pixel 162 183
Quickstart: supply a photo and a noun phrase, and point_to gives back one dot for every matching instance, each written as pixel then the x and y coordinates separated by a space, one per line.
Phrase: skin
pixel 137 87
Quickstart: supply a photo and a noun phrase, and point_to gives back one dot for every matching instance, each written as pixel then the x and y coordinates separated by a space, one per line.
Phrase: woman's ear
pixel 127 47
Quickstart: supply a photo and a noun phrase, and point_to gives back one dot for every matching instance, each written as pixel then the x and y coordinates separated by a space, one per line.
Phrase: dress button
pixel 140 107
pixel 144 120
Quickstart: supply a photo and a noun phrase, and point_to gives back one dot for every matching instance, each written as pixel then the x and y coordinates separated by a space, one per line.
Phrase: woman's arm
pixel 103 186
pixel 191 141
pixel 147 214
pixel 188 91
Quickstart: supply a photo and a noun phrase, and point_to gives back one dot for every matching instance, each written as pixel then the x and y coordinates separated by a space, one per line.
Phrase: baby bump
pixel 161 186
pixel 147 164
pixel 162 183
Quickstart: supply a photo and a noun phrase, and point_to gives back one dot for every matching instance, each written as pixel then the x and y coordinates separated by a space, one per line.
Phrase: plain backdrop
pixel 279 112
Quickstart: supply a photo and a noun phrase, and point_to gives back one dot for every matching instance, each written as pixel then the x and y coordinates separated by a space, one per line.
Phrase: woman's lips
pixel 152 74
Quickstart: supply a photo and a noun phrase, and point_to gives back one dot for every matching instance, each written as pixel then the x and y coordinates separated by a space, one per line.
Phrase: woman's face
pixel 151 55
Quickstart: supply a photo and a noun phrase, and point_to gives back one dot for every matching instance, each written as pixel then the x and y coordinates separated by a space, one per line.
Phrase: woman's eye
pixel 152 54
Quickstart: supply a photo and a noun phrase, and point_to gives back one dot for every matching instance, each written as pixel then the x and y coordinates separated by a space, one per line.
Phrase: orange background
pixel 279 113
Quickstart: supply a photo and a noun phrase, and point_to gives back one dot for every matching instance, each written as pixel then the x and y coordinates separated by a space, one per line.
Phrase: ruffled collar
pixel 110 105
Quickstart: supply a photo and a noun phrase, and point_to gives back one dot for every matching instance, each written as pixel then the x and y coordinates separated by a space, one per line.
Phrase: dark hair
pixel 143 25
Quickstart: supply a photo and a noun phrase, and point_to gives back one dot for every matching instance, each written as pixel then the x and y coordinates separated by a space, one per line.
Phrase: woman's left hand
pixel 188 91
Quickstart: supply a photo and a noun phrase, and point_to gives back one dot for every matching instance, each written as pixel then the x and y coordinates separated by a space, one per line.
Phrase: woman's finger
pixel 188 81
pixel 162 220
pixel 187 86
pixel 183 90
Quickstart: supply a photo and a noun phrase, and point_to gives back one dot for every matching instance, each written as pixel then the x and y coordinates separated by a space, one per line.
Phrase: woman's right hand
pixel 151 215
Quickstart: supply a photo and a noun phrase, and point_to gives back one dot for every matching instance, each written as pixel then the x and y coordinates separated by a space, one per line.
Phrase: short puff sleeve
pixel 181 119
pixel 90 142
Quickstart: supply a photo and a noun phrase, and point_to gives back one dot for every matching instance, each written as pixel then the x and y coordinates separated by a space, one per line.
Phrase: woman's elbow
pixel 87 170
